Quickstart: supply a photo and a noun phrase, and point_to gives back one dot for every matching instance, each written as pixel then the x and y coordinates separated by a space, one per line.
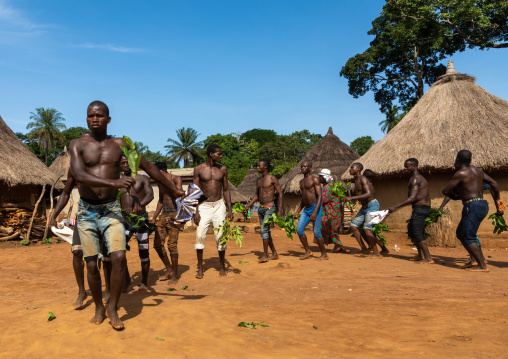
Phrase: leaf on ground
pixel 240 262
pixel 63 292
pixel 161 339
pixel 185 287
pixel 170 289
pixel 252 325
pixel 51 316
pixel 314 326
pixel 489 256
pixel 400 276
pixel 37 307
pixel 362 268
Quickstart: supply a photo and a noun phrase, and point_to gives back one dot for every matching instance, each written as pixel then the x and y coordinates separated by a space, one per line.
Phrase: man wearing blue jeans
pixel 311 205
pixel 266 186
pixel 365 195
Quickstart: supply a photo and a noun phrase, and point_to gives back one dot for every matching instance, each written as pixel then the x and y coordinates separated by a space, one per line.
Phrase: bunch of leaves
pixel 229 233
pixel 138 222
pixel 499 223
pixel 340 191
pixel 287 223
pixel 252 325
pixel 238 207
pixel 47 240
pixel 377 229
pixel 433 217
pixel 24 242
pixel 133 157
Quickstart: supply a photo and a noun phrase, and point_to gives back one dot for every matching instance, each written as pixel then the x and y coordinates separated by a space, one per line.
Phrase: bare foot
pixel 416 259
pixel 80 300
pixel 374 256
pixel 166 276
pixel 324 257
pixel 425 261
pixel 469 265
pixel 106 297
pixel 479 269
pixel 365 251
pixel 274 257
pixel 199 275
pixel 339 249
pixel 384 252
pixel 263 259
pixel 173 280
pixel 143 286
pixel 222 273
pixel 114 320
pixel 99 316
pixel 307 254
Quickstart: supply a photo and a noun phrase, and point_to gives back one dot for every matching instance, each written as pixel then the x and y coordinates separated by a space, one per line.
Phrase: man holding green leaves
pixel 95 163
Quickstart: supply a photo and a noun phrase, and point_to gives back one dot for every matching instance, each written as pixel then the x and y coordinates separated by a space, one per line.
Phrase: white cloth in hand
pixel 378 216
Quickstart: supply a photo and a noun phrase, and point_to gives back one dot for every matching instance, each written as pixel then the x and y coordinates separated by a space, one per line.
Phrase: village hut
pixel 236 195
pixel 61 164
pixel 454 114
pixel 22 179
pixel 329 152
pixel 248 185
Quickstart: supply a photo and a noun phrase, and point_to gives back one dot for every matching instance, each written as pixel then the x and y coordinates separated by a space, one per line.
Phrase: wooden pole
pixel 27 238
pixel 50 208
pixel 8 238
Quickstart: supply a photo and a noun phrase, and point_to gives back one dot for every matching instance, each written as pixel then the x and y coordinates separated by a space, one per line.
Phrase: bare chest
pixel 106 153
pixel 208 174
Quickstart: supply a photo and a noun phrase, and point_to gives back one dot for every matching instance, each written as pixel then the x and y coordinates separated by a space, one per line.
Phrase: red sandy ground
pixel 361 307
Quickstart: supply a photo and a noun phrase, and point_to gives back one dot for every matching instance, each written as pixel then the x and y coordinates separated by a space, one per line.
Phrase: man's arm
pixel 156 174
pixel 413 191
pixel 160 204
pixel 81 176
pixel 445 202
pixel 63 199
pixel 366 194
pixel 148 192
pixel 319 195
pixel 227 195
pixel 494 189
pixel 125 200
pixel 454 182
pixel 279 199
pixel 254 199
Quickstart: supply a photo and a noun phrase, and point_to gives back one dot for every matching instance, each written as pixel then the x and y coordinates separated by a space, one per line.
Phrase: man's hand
pixel 230 216
pixel 313 217
pixel 52 223
pixel 391 209
pixel 499 213
pixel 179 194
pixel 347 199
pixel 246 209
pixel 197 218
pixel 137 208
pixel 124 182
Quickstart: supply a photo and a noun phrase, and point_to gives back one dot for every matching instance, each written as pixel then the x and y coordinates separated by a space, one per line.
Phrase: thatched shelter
pixel 236 195
pixel 248 185
pixel 61 164
pixel 329 152
pixel 22 178
pixel 454 114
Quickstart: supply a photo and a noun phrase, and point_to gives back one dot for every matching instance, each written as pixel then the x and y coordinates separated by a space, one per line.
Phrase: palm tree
pixel 392 119
pixel 46 126
pixel 140 147
pixel 186 148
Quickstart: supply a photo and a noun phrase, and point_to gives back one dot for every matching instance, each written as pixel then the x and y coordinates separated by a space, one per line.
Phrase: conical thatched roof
pixel 248 185
pixel 329 152
pixel 19 166
pixel 454 114
pixel 61 164
pixel 236 195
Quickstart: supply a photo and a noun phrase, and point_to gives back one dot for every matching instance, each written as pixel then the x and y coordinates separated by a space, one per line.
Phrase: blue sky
pixel 215 66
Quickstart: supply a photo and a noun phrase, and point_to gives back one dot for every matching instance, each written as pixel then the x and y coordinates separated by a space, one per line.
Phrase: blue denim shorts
pixel 100 221
pixel 363 217
pixel 473 214
pixel 305 220
pixel 264 213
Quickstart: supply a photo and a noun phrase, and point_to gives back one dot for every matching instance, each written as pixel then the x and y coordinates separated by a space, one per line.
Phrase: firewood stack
pixel 15 220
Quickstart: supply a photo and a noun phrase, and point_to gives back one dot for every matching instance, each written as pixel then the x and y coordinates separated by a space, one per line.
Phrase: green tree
pixel 482 24
pixel 45 127
pixel 362 144
pixel 186 148
pixel 260 136
pixel 393 117
pixel 404 55
pixel 140 147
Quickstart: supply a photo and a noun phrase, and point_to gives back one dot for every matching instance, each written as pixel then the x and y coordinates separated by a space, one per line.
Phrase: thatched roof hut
pixel 236 195
pixel 454 114
pixel 329 152
pixel 248 185
pixel 18 165
pixel 61 164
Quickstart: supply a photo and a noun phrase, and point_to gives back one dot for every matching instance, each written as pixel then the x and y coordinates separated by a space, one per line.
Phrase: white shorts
pixel 214 213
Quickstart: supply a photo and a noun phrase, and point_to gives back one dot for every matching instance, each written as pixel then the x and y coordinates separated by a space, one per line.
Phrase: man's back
pixel 471 182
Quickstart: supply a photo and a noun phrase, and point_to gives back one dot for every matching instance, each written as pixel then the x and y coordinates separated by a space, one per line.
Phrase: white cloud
pixel 110 47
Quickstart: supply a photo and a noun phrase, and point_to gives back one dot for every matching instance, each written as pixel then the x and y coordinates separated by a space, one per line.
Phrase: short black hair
pixel 100 104
pixel 266 162
pixel 369 174
pixel 358 165
pixel 163 166
pixel 212 148
pixel 464 156
pixel 413 161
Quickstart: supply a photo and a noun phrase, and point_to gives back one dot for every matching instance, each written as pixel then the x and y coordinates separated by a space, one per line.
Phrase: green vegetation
pixel 45 128
pixel 362 144
pixel 133 157
pixel 47 240
pixel 499 223
pixel 24 242
pixel 252 325
pixel 51 317
pixel 186 148
pixel 377 231
pixel 230 233
pixel 287 223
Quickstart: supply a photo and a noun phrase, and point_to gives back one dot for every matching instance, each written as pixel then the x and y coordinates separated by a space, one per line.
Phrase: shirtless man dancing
pixel 365 194
pixel 419 198
pixel 141 194
pixel 95 163
pixel 470 179
pixel 212 178
pixel 266 185
pixel 165 230
pixel 312 209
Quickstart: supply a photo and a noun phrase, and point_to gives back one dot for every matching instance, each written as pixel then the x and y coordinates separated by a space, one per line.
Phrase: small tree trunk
pixel 50 208
pixel 27 238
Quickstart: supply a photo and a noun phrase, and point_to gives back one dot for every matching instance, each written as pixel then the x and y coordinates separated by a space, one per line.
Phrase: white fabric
pixel 378 216
pixel 185 208
pixel 211 213
pixel 63 232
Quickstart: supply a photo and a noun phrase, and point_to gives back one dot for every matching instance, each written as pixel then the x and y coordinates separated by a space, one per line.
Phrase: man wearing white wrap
pixel 212 178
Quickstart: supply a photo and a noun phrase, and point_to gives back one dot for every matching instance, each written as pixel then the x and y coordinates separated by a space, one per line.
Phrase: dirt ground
pixel 347 307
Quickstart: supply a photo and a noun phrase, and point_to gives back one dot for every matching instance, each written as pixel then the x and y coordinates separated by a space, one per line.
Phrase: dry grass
pixel 61 165
pixel 442 233
pixel 248 185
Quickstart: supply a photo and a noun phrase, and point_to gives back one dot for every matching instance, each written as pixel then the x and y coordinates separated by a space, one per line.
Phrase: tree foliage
pixel 45 127
pixel 362 144
pixel 186 148
pixel 260 136
pixel 393 117
pixel 482 24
